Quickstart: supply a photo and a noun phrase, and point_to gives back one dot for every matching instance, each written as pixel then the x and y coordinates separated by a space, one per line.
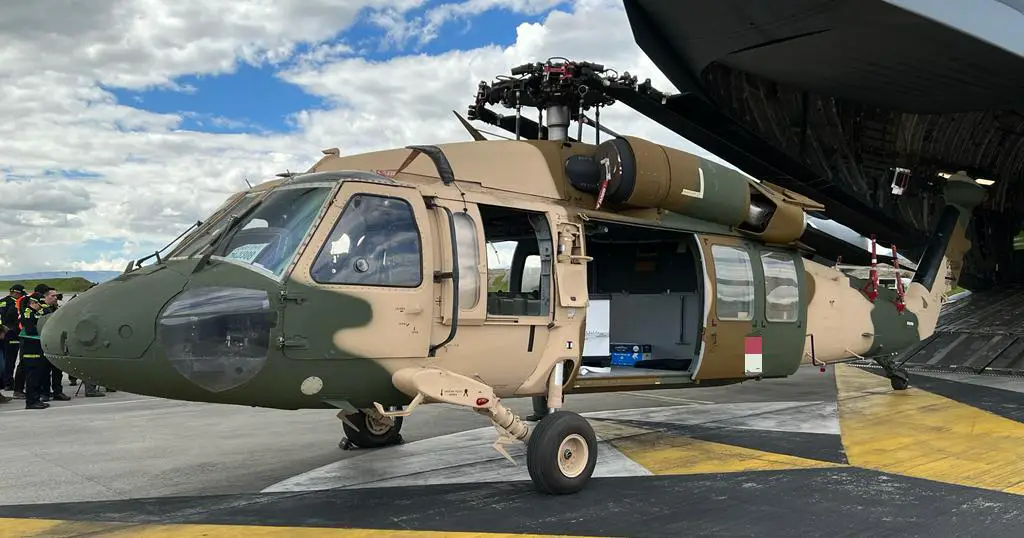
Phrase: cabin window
pixel 531 274
pixel 781 287
pixel 469 261
pixel 734 283
pixel 519 251
pixel 374 243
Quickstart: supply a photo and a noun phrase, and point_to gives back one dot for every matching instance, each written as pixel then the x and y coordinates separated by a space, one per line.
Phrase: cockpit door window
pixel 376 242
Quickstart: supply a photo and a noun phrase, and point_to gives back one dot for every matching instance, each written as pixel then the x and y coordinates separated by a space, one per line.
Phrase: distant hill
pixel 92 276
pixel 497 279
pixel 62 285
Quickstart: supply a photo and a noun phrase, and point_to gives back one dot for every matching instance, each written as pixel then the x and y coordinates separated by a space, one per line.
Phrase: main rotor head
pixel 561 88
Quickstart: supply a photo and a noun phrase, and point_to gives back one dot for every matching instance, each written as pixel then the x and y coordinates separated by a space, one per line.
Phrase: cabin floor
pixel 837 453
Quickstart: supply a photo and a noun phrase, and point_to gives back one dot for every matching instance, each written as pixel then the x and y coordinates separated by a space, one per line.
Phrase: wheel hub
pixel 377 426
pixel 573 454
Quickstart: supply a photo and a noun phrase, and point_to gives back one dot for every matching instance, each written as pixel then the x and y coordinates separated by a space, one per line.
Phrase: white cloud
pixel 156 178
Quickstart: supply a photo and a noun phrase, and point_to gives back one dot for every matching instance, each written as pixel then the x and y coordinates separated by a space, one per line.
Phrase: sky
pixel 128 120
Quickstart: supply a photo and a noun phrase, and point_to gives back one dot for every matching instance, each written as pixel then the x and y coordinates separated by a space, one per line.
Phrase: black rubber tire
pixel 365 438
pixel 542 453
pixel 900 382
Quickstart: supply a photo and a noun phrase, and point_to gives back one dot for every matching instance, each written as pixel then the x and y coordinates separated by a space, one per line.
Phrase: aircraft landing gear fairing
pixel 561 453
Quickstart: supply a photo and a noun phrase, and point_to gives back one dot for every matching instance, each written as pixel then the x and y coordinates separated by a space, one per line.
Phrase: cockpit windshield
pixel 201 237
pixel 269 235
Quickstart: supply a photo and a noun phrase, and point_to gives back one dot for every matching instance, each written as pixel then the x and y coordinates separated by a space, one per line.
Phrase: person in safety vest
pixel 19 372
pixel 52 386
pixel 35 364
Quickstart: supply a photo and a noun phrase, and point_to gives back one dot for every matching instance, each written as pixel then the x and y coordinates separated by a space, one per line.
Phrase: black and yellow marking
pixel 916 463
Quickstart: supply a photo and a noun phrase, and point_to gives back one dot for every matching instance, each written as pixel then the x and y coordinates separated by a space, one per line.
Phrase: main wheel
pixel 372 433
pixel 562 453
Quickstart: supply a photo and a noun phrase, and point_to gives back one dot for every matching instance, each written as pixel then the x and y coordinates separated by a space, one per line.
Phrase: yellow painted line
pixel 667 454
pixel 919 434
pixel 50 528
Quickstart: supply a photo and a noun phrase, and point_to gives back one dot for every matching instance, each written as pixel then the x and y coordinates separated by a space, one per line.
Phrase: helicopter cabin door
pixel 781 322
pixel 732 336
pixel 363 287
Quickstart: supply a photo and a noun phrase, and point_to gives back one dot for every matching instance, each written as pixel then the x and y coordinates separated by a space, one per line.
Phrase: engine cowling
pixel 642 174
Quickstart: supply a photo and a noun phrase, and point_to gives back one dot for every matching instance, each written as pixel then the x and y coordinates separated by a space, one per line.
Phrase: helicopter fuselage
pixel 328 283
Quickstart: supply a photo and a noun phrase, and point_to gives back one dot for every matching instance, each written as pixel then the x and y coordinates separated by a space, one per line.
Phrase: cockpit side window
pixel 374 243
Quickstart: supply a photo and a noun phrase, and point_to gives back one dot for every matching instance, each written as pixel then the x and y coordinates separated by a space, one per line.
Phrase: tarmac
pixel 832 454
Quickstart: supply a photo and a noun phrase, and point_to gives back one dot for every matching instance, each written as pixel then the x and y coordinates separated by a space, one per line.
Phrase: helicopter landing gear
pixel 898 377
pixel 562 453
pixel 370 429
pixel 540 408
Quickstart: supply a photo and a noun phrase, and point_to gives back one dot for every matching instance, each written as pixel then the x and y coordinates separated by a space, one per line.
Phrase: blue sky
pixel 253 99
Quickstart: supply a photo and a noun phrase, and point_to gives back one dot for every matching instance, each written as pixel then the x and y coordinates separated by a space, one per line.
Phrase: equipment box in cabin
pixel 630 354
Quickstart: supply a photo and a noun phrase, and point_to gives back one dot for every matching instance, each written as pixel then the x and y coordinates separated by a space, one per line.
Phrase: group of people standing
pixel 33 377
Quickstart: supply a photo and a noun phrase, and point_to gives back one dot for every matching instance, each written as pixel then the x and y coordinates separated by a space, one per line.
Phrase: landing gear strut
pixel 540 408
pixel 370 429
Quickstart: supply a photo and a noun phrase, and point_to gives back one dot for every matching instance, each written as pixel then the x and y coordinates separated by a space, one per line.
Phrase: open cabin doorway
pixel 646 310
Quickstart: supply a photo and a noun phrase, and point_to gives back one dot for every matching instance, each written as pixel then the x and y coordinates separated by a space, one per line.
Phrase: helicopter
pixel 364 285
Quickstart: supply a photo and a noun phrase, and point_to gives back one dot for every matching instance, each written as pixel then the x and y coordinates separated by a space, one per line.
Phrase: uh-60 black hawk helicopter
pixel 363 284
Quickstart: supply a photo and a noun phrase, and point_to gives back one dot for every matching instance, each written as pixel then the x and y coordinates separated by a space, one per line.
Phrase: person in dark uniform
pixel 19 372
pixel 52 387
pixel 32 353
pixel 9 343
pixel 3 336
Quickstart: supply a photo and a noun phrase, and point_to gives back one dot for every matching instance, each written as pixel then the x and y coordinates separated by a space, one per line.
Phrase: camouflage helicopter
pixel 363 284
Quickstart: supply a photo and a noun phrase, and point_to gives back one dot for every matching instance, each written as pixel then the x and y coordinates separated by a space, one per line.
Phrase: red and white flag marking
pixel 752 355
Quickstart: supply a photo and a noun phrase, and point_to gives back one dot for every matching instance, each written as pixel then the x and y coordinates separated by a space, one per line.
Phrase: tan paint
pixel 788 220
pixel 524 170
pixel 959 244
pixel 402 317
pixel 838 315
pixel 787 225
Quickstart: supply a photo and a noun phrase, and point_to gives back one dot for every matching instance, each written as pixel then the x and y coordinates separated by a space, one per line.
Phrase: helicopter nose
pixel 167 330
pixel 109 323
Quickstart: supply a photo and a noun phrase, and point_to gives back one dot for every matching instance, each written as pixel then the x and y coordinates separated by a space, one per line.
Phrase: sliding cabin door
pixel 731 338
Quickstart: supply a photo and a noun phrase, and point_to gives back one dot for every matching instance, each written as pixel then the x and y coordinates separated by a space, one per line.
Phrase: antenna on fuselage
pixel 473 131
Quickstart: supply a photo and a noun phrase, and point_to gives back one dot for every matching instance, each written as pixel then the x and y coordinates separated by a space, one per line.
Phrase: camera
pixel 60 296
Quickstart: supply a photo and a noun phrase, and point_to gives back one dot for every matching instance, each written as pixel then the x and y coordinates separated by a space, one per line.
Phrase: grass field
pixel 62 285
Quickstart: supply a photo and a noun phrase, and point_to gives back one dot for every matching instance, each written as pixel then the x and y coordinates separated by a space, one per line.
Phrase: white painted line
pixel 467 456
pixel 56 405
pixel 460 457
pixel 666 398
pixel 1015 384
